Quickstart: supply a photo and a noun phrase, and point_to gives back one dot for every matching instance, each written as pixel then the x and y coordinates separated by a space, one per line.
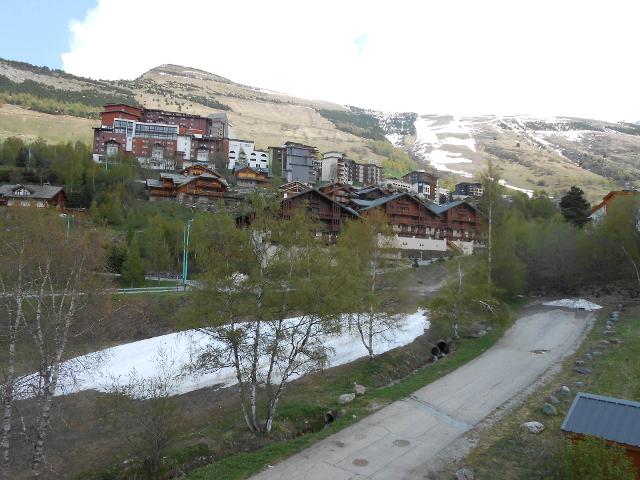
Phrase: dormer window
pixel 22 192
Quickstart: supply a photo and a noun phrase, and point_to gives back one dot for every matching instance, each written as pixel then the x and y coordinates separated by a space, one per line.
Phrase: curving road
pixel 403 439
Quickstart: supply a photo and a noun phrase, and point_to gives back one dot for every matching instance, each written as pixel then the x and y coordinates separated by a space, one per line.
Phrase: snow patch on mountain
pixel 439 139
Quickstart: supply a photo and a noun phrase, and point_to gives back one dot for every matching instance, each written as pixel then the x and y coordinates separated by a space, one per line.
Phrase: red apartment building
pixel 160 139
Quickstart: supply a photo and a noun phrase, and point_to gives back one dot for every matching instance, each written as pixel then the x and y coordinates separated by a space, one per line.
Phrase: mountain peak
pixel 184 72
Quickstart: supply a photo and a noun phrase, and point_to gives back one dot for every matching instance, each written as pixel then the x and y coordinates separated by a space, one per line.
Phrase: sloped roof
pixel 341 205
pixel 152 182
pixel 389 198
pixel 609 418
pixel 440 209
pixel 44 192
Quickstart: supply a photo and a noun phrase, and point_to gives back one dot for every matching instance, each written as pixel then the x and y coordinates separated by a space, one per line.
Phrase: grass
pixel 242 465
pixel 29 125
pixel 148 283
pixel 507 452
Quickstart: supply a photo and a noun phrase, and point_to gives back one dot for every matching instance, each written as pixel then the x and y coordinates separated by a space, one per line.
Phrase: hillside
pixel 534 154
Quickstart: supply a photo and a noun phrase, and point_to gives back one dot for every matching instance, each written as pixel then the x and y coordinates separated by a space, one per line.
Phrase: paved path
pixel 401 440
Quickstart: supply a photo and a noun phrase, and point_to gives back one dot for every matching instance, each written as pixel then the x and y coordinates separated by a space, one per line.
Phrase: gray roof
pixel 382 200
pixel 151 182
pixel 439 209
pixel 37 191
pixel 609 418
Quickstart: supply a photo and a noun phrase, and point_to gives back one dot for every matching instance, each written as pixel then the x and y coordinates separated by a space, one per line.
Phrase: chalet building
pixel 408 215
pixel 461 222
pixel 248 177
pixel 159 139
pixel 33 196
pixel 196 185
pixel 600 210
pixel 423 183
pixel 614 420
pixel 469 189
pixel 371 192
pixel 340 192
pixel 291 188
pixel 319 207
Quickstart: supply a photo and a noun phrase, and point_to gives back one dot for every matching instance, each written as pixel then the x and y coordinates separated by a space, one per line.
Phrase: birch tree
pixel 371 291
pixel 15 276
pixel 255 279
pixel 55 308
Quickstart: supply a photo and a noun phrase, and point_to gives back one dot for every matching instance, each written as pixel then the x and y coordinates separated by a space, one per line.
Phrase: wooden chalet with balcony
pixel 407 214
pixel 248 177
pixel 320 207
pixel 291 188
pixel 195 184
pixel 461 221
pixel 33 196
pixel 340 192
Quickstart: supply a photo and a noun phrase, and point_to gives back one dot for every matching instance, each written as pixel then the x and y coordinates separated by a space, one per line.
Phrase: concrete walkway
pixel 402 440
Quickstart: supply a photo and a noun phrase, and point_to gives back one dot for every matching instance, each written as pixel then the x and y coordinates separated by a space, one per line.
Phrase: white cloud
pixel 539 57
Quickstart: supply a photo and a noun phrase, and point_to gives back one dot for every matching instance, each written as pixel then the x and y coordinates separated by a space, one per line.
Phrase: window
pixel 202 155
pixel 157 152
pixel 111 149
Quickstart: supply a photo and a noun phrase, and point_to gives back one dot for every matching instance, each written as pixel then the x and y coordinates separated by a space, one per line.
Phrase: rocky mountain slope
pixel 534 154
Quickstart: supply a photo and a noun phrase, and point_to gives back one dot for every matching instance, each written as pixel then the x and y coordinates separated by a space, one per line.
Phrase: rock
pixel 346 398
pixel 565 391
pixel 359 390
pixel 603 343
pixel 588 355
pixel 578 384
pixel 553 400
pixel 596 354
pixel 549 409
pixel 583 370
pixel 616 341
pixel 465 474
pixel 579 363
pixel 609 332
pixel 533 427
pixel 479 333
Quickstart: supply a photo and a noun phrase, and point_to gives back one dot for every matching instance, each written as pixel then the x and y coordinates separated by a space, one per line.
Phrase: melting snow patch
pixel 146 359
pixel 579 304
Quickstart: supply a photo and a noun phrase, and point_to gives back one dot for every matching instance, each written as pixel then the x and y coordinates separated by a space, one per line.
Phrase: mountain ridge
pixel 535 153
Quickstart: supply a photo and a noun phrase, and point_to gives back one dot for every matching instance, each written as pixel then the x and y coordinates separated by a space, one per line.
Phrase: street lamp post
pixel 185 253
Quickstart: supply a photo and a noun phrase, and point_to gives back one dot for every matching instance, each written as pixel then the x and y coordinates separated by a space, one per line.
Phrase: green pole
pixel 185 258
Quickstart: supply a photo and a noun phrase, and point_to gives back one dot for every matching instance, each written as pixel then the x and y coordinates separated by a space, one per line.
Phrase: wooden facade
pixel 460 221
pixel 319 207
pixel 340 192
pixel 195 184
pixel 33 196
pixel 248 177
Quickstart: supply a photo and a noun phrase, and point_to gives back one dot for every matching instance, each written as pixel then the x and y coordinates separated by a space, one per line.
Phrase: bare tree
pixel 371 293
pixel 252 284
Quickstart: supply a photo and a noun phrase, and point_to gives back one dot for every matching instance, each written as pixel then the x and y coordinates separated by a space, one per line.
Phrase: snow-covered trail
pixel 169 354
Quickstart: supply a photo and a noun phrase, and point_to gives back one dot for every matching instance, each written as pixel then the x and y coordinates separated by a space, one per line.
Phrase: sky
pixel 468 57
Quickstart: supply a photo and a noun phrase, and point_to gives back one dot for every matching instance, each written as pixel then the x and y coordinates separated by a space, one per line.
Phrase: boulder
pixel 609 332
pixel 565 391
pixel 588 356
pixel 604 343
pixel 549 409
pixel 359 390
pixel 579 363
pixel 533 427
pixel 616 341
pixel 578 384
pixel 553 400
pixel 346 398
pixel 596 354
pixel 465 474
pixel 583 370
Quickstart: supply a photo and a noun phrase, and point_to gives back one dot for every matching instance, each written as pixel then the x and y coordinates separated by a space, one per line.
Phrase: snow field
pixel 578 303
pixel 171 354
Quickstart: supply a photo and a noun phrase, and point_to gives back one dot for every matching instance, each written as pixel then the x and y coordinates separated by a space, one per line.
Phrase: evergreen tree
pixel 574 207
pixel 157 248
pixel 133 266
